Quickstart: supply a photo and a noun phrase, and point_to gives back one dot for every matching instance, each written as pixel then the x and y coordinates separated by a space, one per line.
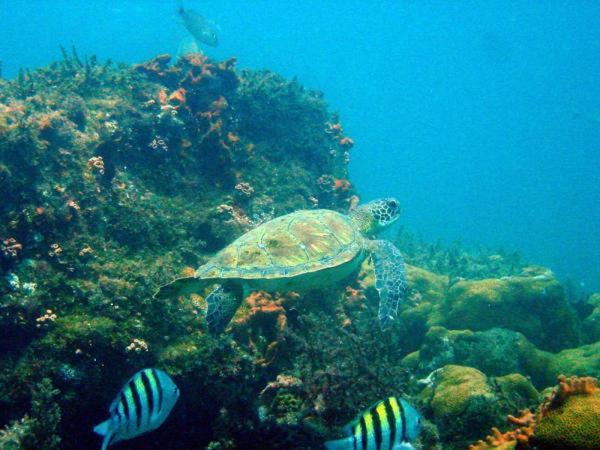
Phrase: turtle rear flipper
pixel 179 287
pixel 390 279
pixel 221 306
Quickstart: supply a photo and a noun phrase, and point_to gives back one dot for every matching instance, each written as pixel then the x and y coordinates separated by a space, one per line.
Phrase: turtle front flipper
pixel 221 305
pixel 390 279
pixel 179 287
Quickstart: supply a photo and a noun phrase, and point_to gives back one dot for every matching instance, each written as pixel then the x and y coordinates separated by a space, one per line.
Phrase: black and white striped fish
pixel 142 405
pixel 390 424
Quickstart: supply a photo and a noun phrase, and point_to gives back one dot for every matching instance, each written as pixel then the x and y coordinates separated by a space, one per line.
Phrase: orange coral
pixel 354 295
pixel 341 185
pixel 47 121
pixel 216 108
pixel 232 137
pixel 346 142
pixel 178 97
pixel 220 104
pixel 262 324
pixel 157 67
pixel 334 128
pixel 162 97
pixel 494 440
pixel 188 271
pixel 263 304
pixel 566 387
pixel 195 59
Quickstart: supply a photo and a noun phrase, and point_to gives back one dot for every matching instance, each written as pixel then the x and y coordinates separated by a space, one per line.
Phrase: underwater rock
pixel 498 352
pixel 582 361
pixel 534 305
pixel 463 402
pixel 495 352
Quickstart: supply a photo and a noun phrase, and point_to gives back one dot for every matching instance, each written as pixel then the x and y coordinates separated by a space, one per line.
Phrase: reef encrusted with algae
pixel 115 179
pixel 569 419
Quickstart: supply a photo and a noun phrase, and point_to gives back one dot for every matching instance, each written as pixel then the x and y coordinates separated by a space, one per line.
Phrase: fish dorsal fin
pixel 347 430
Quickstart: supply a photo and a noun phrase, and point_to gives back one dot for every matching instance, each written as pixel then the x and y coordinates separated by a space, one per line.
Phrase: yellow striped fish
pixel 142 405
pixel 390 424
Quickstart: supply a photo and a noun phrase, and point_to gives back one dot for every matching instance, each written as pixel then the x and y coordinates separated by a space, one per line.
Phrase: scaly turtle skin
pixel 301 250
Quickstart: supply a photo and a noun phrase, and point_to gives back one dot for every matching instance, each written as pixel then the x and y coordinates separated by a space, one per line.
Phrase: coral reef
pixel 569 418
pixel 534 305
pixel 464 402
pixel 114 178
pixel 495 352
pixel 261 325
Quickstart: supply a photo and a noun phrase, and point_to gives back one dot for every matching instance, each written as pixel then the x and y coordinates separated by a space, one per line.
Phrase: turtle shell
pixel 288 246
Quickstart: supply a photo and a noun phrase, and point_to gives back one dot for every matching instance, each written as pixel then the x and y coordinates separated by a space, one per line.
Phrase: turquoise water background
pixel 483 118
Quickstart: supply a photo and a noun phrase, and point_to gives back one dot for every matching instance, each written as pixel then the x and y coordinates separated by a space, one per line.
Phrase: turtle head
pixel 373 216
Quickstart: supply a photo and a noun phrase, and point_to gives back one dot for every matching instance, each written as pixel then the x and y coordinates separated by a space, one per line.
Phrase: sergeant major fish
pixel 203 30
pixel 142 405
pixel 389 424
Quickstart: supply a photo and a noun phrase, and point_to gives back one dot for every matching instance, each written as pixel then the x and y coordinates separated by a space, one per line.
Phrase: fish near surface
pixel 389 424
pixel 142 405
pixel 203 30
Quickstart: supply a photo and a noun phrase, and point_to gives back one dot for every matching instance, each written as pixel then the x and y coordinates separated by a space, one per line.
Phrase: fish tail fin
pixel 340 444
pixel 102 428
pixel 106 441
pixel 180 6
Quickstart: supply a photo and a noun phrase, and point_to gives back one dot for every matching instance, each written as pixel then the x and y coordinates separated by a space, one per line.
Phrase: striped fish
pixel 389 424
pixel 142 405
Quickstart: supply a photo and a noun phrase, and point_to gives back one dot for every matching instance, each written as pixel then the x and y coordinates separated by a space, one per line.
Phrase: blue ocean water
pixel 482 117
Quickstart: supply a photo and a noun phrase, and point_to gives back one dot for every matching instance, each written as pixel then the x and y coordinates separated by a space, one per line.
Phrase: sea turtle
pixel 298 251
